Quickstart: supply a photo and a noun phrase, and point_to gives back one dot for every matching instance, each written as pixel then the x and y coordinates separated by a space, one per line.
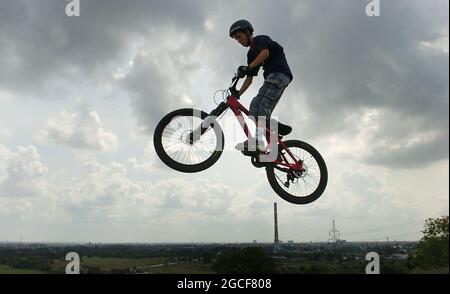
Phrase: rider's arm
pixel 263 55
pixel 248 81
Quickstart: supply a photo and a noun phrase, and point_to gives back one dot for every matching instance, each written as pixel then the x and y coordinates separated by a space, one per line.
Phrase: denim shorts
pixel 269 95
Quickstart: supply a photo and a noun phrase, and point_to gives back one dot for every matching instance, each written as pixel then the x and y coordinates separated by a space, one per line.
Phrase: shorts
pixel 269 95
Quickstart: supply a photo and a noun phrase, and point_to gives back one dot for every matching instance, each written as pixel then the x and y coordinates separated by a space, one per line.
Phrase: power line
pixel 378 229
pixel 385 228
pixel 395 235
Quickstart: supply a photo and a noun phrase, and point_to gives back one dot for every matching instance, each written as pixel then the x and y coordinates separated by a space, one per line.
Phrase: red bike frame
pixel 238 109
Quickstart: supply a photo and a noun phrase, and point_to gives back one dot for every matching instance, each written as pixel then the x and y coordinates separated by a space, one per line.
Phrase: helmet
pixel 241 25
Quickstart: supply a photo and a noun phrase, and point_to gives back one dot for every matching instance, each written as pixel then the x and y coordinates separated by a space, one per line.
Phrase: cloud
pixel 6 96
pixel 343 69
pixel 150 161
pixel 163 78
pixel 80 130
pixel 193 208
pixel 22 173
pixel 43 46
pixel 104 194
pixel 14 209
pixel 4 132
pixel 344 66
pixel 170 209
pixel 416 150
pixel 370 93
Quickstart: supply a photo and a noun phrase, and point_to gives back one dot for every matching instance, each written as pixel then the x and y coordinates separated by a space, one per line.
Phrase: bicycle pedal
pixel 257 163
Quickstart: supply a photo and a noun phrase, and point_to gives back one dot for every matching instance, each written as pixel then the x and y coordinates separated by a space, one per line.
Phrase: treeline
pixel 253 260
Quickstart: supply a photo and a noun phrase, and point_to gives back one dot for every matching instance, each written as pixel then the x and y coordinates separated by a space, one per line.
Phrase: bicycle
pixel 190 140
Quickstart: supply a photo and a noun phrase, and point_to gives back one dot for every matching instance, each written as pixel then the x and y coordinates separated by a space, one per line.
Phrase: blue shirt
pixel 276 62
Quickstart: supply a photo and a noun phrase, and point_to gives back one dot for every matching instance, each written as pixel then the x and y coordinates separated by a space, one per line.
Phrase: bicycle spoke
pixel 175 141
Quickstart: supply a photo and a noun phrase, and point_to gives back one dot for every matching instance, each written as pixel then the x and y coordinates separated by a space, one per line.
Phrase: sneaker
pixel 253 146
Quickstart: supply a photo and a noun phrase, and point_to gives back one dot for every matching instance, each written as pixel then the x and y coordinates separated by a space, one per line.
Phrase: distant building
pixel 290 242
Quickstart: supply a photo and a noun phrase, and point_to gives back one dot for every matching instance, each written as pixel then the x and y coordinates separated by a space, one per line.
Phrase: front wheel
pixel 299 187
pixel 175 144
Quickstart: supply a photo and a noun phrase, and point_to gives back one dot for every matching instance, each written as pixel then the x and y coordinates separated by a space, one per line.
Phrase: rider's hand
pixel 243 70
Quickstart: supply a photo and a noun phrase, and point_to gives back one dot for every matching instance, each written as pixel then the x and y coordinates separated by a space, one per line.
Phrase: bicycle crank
pixel 292 177
pixel 255 161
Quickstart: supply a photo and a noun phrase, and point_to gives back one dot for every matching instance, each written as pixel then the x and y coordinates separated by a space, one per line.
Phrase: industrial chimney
pixel 276 241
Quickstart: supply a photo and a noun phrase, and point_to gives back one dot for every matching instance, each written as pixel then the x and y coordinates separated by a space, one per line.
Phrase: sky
pixel 80 97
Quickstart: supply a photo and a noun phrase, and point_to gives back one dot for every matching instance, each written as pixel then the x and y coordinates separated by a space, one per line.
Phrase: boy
pixel 269 54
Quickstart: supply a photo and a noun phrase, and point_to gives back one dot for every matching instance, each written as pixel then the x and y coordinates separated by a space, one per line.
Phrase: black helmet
pixel 241 25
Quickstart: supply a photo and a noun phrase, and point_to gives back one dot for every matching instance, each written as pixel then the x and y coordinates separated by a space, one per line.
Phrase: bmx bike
pixel 190 140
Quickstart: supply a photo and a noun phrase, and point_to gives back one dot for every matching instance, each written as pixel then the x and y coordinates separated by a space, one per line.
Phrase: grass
pixel 4 269
pixel 442 270
pixel 108 263
pixel 194 267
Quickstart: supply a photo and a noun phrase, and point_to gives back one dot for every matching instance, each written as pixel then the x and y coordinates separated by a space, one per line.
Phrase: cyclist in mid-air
pixel 270 55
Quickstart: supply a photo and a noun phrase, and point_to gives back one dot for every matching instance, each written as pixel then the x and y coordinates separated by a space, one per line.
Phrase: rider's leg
pixel 262 106
pixel 255 143
pixel 269 95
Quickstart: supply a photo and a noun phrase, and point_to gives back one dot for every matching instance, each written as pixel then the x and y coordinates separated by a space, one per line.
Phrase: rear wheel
pixel 299 187
pixel 174 144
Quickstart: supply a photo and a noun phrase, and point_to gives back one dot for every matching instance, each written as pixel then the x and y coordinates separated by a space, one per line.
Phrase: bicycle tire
pixel 170 162
pixel 274 183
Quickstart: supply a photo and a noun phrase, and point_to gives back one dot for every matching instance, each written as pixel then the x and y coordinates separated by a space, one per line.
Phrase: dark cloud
pixel 41 44
pixel 148 95
pixel 343 61
pixel 419 154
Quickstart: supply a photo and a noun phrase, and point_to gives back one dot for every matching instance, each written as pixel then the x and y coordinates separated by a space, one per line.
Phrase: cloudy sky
pixel 80 97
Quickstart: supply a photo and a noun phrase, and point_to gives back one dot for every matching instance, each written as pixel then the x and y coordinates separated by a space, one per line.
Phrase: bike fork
pixel 207 123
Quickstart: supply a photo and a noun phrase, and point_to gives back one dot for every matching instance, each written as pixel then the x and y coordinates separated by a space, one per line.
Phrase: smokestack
pixel 276 241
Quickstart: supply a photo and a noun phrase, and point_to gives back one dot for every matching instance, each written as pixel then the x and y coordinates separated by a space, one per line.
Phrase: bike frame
pixel 237 108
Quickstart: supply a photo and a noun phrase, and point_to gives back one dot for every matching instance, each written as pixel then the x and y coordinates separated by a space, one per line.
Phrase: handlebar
pixel 232 87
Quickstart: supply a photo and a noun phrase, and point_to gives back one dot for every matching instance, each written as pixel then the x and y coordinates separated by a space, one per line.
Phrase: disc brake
pixel 291 177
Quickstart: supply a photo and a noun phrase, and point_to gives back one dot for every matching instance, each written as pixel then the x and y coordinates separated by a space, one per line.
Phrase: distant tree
pixel 251 260
pixel 394 267
pixel 318 268
pixel 206 258
pixel 432 251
